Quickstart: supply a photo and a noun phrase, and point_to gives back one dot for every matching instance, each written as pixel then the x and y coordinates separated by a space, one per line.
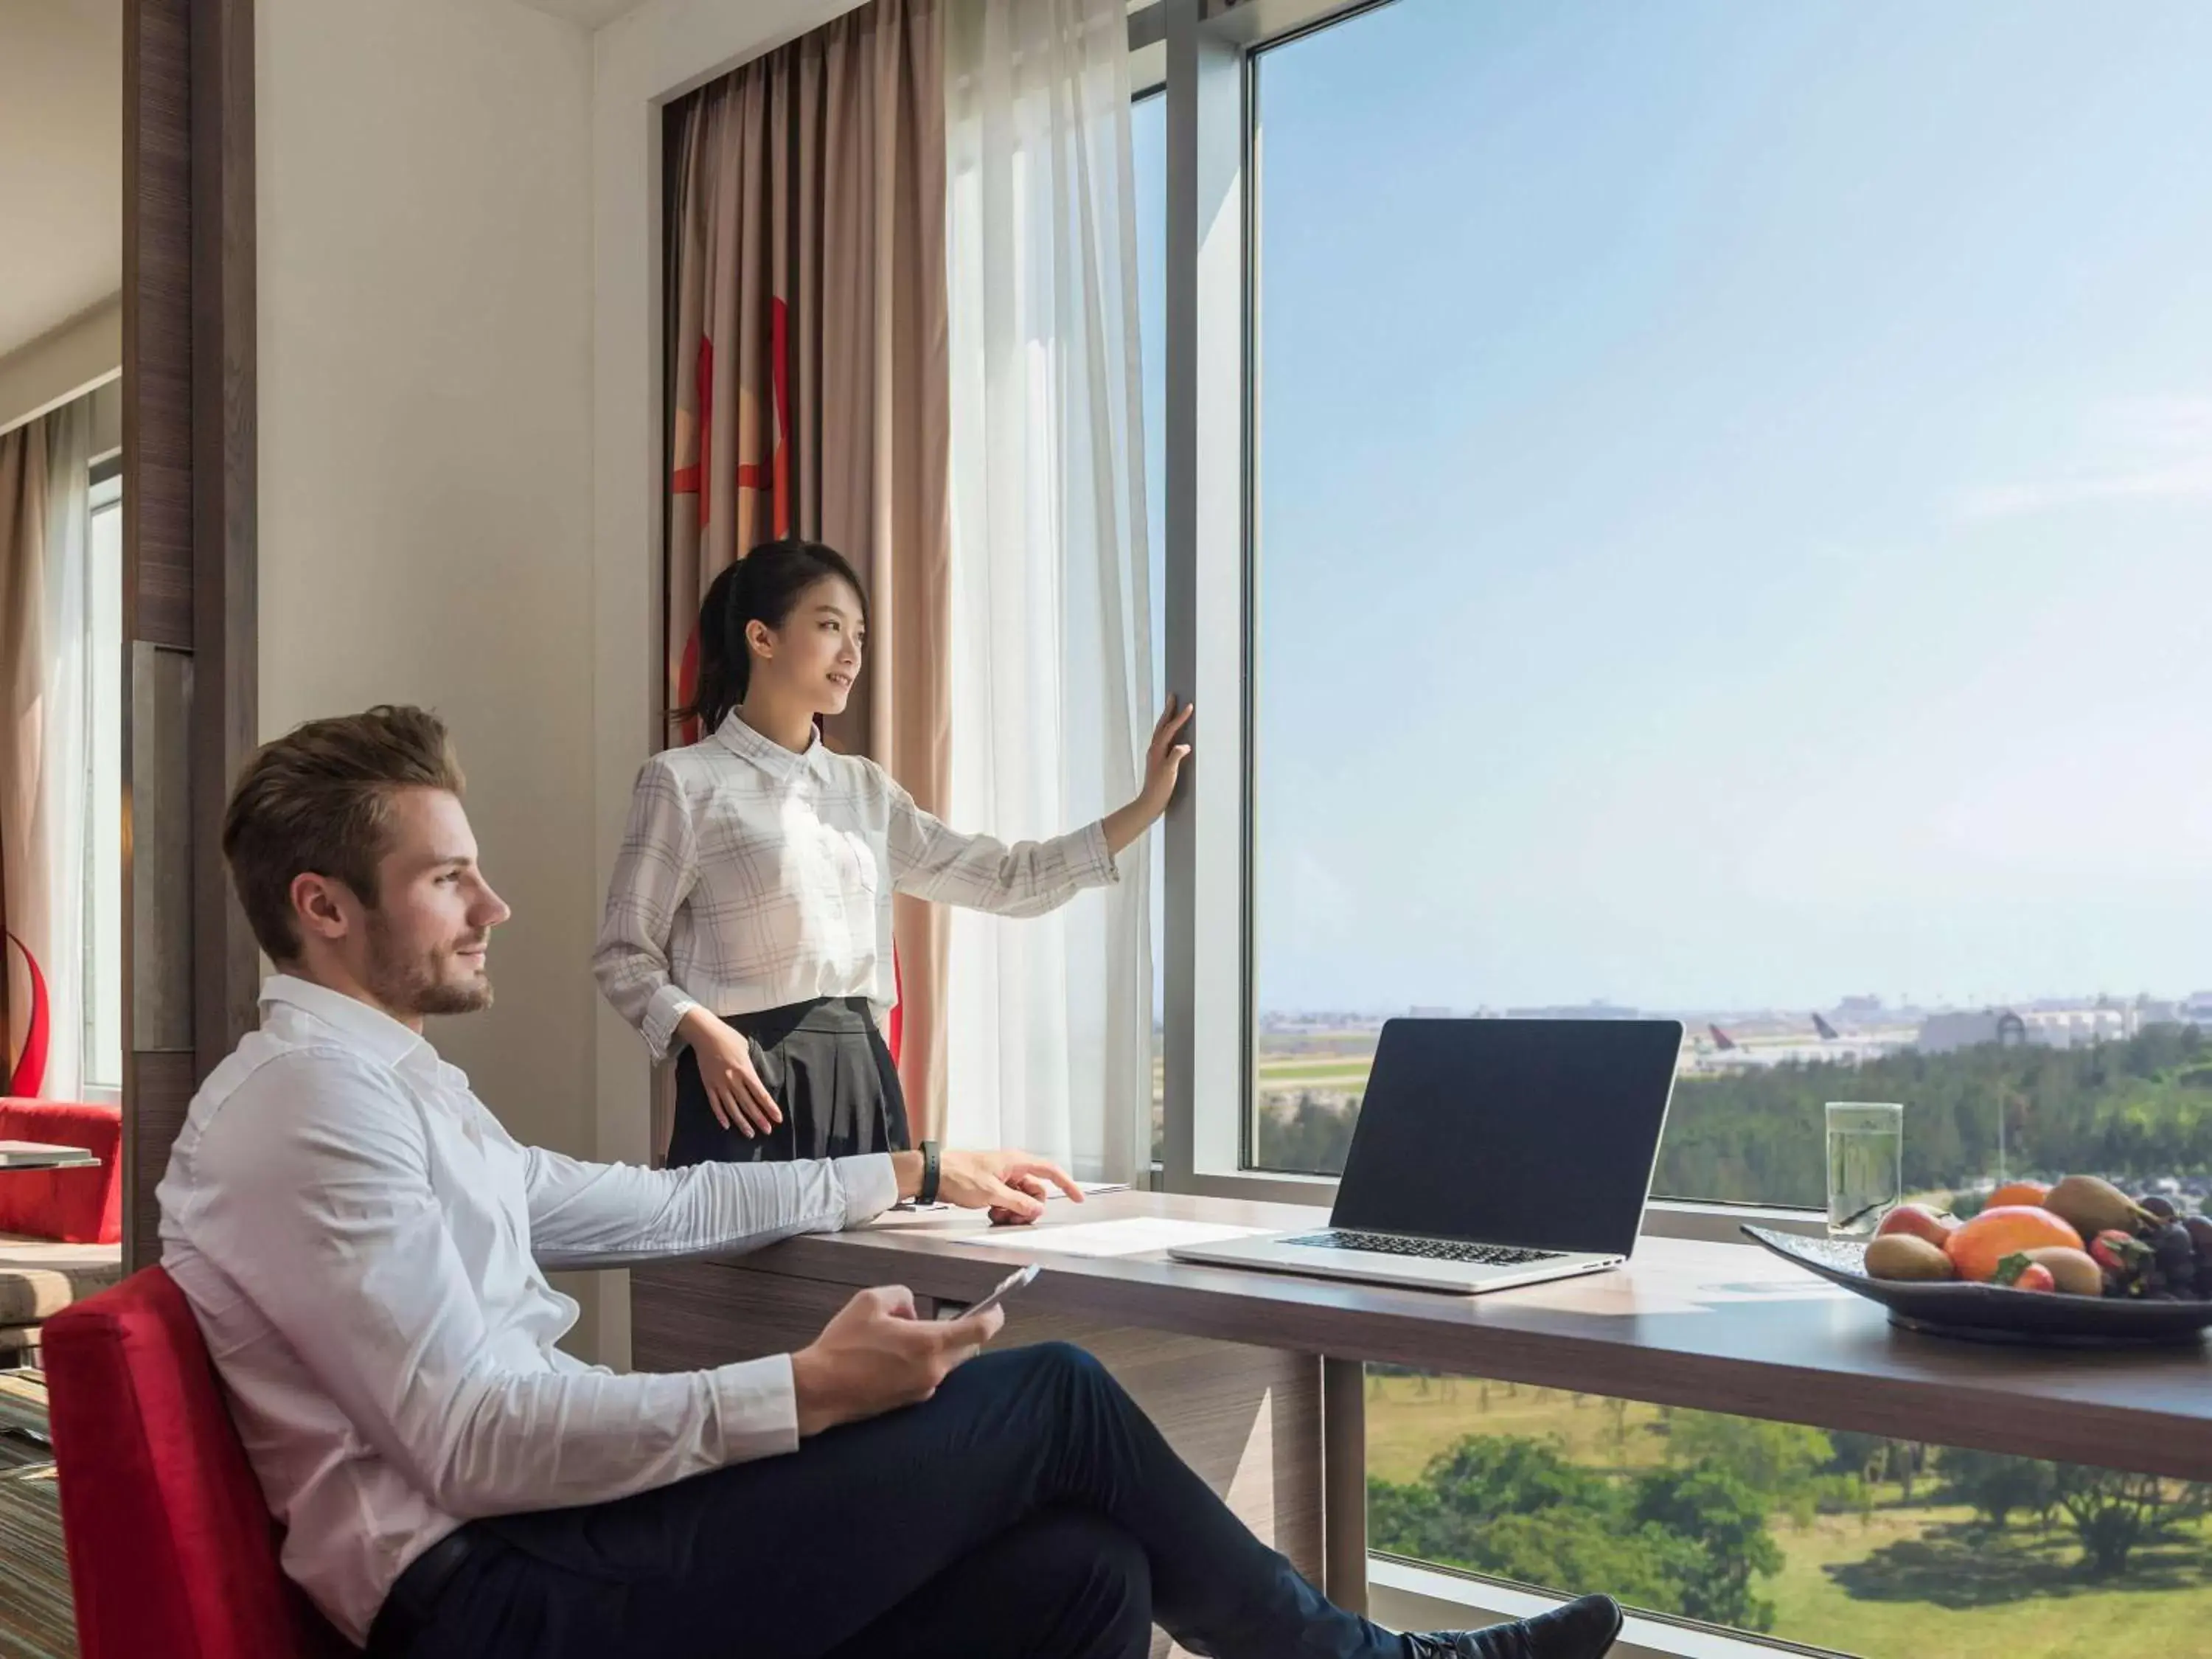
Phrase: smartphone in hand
pixel 1005 1288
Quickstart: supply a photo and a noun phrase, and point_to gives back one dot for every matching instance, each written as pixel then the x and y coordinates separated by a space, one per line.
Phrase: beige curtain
pixel 24 889
pixel 808 393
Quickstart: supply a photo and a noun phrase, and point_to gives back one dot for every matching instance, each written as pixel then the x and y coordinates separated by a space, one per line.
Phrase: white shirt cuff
pixel 756 1402
pixel 662 1016
pixel 1094 860
pixel 870 1186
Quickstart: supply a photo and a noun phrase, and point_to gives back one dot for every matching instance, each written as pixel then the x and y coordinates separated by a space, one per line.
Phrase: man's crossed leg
pixel 1030 1510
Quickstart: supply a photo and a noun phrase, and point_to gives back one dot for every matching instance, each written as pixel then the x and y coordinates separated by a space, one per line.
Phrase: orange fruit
pixel 1979 1244
pixel 2017 1192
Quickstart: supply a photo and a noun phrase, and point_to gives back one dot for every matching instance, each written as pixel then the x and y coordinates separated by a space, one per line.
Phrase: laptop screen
pixel 1540 1133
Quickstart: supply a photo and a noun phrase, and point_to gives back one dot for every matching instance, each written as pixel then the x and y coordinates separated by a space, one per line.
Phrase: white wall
pixel 425 281
pixel 460 341
pixel 62 366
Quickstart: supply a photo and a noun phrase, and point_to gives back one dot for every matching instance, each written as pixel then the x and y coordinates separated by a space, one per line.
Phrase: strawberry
pixel 2021 1273
pixel 2120 1253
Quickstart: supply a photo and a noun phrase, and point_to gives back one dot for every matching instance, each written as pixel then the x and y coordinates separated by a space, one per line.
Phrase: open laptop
pixel 1489 1153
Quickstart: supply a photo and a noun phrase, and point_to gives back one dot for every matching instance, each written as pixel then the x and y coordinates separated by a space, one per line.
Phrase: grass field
pixel 1921 1584
pixel 1907 1581
pixel 1323 1072
pixel 1407 1425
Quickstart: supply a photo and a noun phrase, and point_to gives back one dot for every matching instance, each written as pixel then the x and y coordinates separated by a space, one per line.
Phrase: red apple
pixel 1920 1221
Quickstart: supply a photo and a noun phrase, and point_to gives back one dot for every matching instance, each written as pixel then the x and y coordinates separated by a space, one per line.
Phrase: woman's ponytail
pixel 762 586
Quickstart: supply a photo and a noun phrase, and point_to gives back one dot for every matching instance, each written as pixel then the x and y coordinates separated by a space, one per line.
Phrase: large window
pixel 1849 1543
pixel 102 1035
pixel 1730 493
pixel 1699 507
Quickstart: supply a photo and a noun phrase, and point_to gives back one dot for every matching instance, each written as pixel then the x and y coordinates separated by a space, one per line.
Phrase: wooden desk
pixel 1718 1327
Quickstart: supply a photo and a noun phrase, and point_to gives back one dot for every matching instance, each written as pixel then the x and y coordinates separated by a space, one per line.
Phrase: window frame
pixel 1201 53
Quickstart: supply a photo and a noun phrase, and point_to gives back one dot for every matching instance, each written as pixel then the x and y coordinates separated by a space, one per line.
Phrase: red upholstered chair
pixel 60 1230
pixel 171 1549
pixel 74 1206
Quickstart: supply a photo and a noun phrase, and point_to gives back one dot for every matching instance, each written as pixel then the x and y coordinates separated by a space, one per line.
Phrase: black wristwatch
pixel 931 1153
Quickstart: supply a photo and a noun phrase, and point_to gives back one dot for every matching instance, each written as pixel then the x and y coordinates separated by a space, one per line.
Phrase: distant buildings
pixel 1580 1011
pixel 2042 1028
pixel 1942 1034
pixel 1863 1027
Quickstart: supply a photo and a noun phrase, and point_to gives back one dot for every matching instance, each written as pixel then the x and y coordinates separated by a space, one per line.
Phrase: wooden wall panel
pixel 227 966
pixel 161 1089
pixel 157 322
pixel 160 935
pixel 189 576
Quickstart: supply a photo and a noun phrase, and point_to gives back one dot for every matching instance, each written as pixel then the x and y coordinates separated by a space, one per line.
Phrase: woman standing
pixel 749 917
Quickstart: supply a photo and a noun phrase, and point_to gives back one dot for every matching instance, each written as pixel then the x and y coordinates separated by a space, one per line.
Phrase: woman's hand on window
pixel 1164 759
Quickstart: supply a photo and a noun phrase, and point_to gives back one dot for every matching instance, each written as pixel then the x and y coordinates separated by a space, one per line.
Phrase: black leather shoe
pixel 1585 1628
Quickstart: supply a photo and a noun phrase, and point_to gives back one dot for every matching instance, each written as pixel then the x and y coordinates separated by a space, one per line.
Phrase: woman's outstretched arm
pixel 932 861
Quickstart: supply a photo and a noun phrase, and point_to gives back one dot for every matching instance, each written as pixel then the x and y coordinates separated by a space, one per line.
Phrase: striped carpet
pixel 35 1619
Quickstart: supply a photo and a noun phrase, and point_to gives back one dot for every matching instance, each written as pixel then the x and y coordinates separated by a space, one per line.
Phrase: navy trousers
pixel 1030 1510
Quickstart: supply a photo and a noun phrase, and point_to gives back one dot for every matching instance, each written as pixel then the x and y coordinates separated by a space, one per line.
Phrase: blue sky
pixel 1735 502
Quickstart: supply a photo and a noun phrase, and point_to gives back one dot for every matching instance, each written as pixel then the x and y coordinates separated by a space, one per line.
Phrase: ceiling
pixel 590 12
pixel 61 162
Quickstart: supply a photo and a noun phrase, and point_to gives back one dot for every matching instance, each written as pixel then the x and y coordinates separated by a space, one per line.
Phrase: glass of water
pixel 1866 1164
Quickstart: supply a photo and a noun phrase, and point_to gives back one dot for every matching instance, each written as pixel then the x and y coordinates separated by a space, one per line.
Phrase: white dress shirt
pixel 752 876
pixel 354 1230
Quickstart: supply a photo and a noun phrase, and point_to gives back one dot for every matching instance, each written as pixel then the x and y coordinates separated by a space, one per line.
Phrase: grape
pixel 2200 1234
pixel 2163 1208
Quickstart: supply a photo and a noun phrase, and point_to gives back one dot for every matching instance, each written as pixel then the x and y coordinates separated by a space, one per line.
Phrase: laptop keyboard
pixel 1433 1250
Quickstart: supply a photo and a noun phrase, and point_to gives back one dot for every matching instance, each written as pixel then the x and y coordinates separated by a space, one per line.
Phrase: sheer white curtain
pixel 1049 1039
pixel 45 522
pixel 66 778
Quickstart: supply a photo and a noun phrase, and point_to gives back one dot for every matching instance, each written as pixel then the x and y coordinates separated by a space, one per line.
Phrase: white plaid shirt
pixel 751 876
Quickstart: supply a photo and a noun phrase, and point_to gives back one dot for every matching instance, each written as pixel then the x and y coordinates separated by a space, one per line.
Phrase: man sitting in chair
pixel 355 1232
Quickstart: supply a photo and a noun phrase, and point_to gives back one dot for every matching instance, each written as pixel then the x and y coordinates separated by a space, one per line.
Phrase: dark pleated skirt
pixel 826 1066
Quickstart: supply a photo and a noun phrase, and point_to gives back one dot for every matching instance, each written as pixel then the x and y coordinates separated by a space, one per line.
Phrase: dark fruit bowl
pixel 1996 1313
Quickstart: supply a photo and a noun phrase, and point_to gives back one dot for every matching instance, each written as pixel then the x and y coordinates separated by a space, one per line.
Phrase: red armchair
pixel 60 1230
pixel 74 1206
pixel 171 1549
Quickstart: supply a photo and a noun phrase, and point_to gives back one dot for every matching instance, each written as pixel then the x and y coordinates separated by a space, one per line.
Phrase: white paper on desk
pixel 1133 1236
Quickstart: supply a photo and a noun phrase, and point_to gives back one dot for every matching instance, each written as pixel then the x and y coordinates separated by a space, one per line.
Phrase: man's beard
pixel 407 986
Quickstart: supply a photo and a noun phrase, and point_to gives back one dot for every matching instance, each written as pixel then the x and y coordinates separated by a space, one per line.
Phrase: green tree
pixel 1996 1486
pixel 1581 1550
pixel 1513 1474
pixel 1724 1519
pixel 1777 1460
pixel 2141 1106
pixel 1307 1134
pixel 2113 1512
pixel 1861 1454
pixel 1681 1541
